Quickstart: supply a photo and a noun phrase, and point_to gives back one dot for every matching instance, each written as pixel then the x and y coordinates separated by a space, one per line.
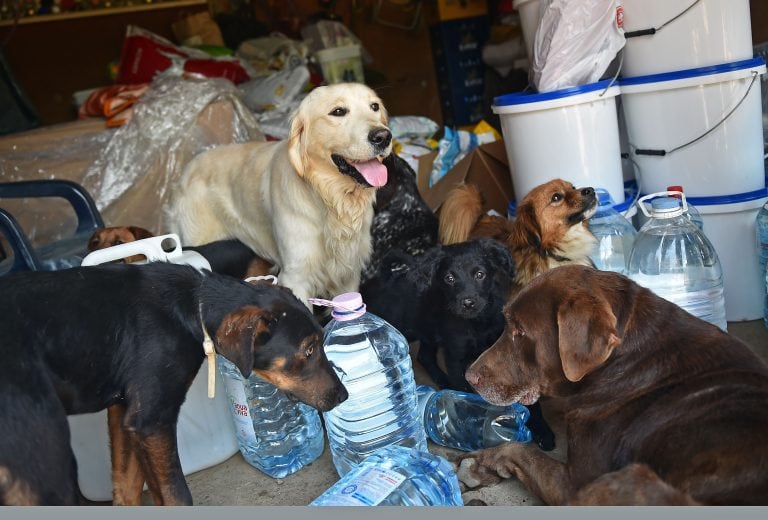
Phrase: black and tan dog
pixel 130 339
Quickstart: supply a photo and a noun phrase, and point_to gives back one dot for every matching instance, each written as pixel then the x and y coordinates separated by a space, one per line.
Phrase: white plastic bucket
pixel 729 223
pixel 341 64
pixel 530 16
pixel 720 105
pixel 571 134
pixel 710 32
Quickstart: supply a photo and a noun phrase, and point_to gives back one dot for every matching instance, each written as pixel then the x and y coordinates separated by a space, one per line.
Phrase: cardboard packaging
pixel 486 167
pixel 453 9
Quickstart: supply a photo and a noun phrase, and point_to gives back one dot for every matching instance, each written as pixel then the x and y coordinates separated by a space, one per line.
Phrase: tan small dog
pixel 550 228
pixel 306 203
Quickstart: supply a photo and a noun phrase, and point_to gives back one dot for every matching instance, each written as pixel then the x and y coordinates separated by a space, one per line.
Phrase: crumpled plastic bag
pixel 273 53
pixel 173 121
pixel 276 90
pixel 575 42
pixel 456 144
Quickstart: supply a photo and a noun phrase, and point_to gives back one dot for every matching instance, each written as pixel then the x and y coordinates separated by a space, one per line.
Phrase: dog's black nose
pixel 380 137
pixel 341 395
pixel 588 192
pixel 468 303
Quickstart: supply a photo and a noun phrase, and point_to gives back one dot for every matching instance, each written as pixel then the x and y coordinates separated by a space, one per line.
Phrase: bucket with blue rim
pixel 570 134
pixel 701 128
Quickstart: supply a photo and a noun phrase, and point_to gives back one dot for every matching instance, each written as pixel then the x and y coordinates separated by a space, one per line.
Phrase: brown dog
pixel 550 228
pixel 114 236
pixel 643 381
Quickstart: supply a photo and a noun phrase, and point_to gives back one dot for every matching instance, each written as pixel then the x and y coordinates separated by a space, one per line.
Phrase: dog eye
pixel 480 275
pixel 375 107
pixel 339 112
pixel 557 197
pixel 309 351
pixel 449 279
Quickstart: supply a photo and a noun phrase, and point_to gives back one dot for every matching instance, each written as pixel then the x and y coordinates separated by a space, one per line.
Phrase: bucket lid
pixel 526 97
pixel 742 67
pixel 730 199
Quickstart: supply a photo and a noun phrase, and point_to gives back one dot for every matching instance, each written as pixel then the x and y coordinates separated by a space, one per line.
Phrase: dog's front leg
pixel 542 475
pixel 127 477
pixel 162 467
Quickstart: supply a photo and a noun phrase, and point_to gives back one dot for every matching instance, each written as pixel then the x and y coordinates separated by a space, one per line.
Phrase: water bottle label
pixel 369 488
pixel 240 413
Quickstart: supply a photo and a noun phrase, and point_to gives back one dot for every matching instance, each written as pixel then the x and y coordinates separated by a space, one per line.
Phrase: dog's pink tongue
pixel 373 171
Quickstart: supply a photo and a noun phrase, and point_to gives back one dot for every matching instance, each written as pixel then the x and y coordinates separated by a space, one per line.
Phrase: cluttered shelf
pixel 145 5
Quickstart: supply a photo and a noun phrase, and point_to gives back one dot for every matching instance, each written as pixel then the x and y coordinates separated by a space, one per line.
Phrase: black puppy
pixel 129 338
pixel 401 219
pixel 450 299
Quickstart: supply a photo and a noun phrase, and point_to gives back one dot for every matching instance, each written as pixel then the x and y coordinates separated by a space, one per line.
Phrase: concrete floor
pixel 236 483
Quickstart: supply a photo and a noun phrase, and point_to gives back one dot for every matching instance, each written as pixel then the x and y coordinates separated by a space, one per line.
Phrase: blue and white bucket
pixel 729 223
pixel 700 128
pixel 571 134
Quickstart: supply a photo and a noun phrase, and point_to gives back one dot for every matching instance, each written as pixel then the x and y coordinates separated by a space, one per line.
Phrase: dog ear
pixel 586 334
pixel 425 268
pixel 139 232
pixel 499 255
pixel 526 229
pixel 240 332
pixel 297 147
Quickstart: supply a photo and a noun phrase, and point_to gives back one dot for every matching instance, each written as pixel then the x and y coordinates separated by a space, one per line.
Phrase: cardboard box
pixel 486 167
pixel 453 9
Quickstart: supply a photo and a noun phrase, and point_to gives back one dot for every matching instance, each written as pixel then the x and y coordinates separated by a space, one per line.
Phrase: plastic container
pixel 761 233
pixel 512 210
pixel 700 128
pixel 692 212
pixel 710 32
pixel 204 432
pixel 672 257
pixel 569 134
pixel 396 476
pixel 341 64
pixel 530 16
pixel 373 362
pixel 275 435
pixel 615 235
pixel 466 422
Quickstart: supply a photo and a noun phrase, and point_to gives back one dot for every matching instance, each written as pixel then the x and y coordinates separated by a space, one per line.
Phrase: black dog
pixel 401 219
pixel 450 299
pixel 129 338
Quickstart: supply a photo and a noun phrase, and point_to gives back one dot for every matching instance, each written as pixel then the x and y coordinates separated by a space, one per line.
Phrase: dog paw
pixel 473 475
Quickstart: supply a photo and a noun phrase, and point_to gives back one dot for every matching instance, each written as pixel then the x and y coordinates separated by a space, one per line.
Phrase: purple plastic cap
pixel 348 306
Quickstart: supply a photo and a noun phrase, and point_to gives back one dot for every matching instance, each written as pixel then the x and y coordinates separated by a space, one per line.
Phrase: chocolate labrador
pixel 643 382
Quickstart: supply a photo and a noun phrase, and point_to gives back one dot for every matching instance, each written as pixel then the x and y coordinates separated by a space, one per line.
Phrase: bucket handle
pixel 641 202
pixel 654 30
pixel 662 153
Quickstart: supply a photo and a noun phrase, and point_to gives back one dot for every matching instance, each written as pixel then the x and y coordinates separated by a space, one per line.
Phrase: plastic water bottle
pixel 275 434
pixel 466 422
pixel 373 362
pixel 615 235
pixel 693 213
pixel 672 257
pixel 761 230
pixel 396 476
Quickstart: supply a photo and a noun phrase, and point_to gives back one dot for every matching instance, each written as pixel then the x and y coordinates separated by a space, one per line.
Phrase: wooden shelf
pixel 106 11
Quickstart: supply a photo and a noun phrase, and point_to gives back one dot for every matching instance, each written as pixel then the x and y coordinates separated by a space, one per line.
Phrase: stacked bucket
pixel 689 100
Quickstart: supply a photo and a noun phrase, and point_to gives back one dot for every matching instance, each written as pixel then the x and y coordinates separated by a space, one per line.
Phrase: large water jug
pixel 373 362
pixel 692 212
pixel 467 422
pixel 275 435
pixel 615 235
pixel 672 257
pixel 396 476
pixel 761 230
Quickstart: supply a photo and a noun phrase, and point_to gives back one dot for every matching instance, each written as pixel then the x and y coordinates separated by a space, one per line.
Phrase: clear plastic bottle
pixel 372 360
pixel 761 230
pixel 692 213
pixel 466 422
pixel 396 476
pixel 275 434
pixel 615 235
pixel 672 257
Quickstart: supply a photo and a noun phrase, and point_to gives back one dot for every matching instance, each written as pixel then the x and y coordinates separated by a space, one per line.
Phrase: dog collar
pixel 557 257
pixel 210 353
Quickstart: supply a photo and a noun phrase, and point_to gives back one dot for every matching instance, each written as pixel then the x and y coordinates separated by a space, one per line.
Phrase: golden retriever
pixel 305 203
pixel 550 228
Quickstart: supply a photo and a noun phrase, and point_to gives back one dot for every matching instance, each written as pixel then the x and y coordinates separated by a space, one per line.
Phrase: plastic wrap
pixel 575 42
pixel 129 171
